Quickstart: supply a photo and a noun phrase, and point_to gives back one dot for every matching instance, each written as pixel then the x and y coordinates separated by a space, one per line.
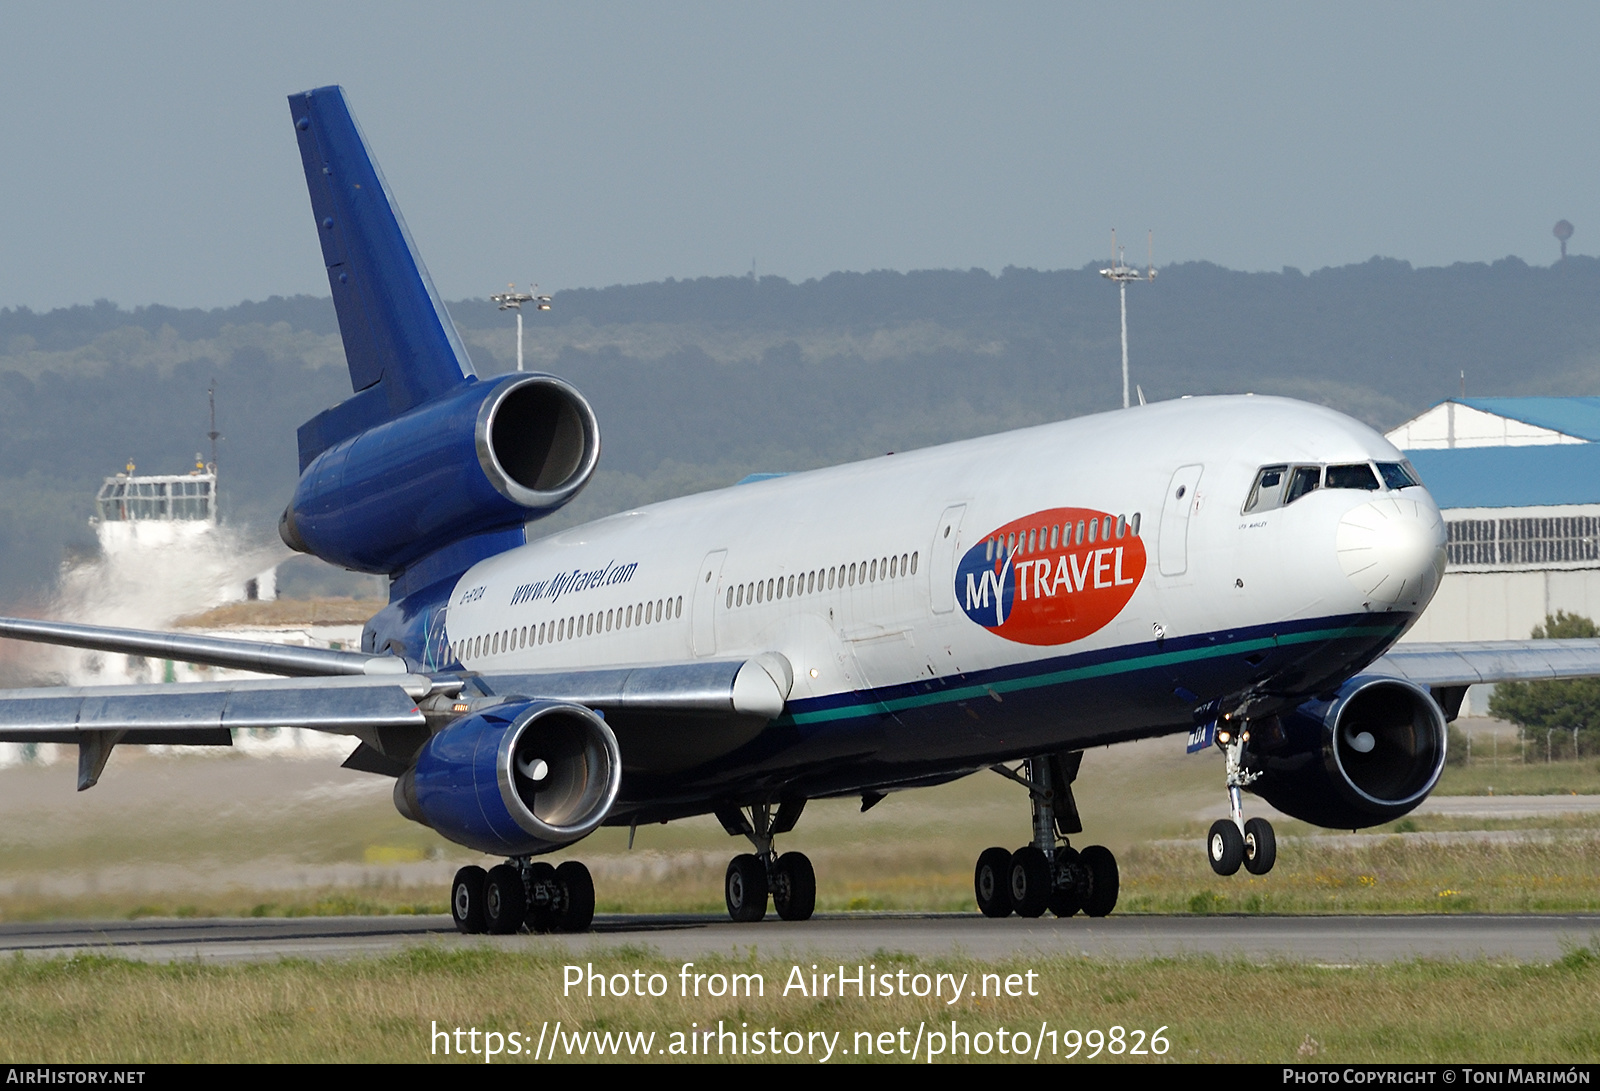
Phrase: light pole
pixel 513 301
pixel 1120 274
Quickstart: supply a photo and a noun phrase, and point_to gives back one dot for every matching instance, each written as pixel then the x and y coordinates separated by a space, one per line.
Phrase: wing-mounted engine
pixel 490 455
pixel 1370 755
pixel 515 779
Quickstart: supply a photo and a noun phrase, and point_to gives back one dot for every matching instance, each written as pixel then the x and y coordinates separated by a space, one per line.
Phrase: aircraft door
pixel 942 559
pixel 1183 500
pixel 704 617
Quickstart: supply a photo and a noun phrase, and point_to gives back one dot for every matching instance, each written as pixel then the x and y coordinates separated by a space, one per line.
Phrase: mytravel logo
pixel 1051 577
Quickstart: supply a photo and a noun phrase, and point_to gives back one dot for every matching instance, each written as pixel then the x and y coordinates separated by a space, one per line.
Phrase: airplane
pixel 1237 569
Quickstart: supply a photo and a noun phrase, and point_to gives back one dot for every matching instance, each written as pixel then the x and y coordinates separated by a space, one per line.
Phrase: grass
pixel 225 835
pixel 1512 778
pixel 97 1010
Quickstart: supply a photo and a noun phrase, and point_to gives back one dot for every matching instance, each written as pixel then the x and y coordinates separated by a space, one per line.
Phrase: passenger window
pixel 1122 526
pixel 913 564
pixel 1079 538
pixel 1304 479
pixel 1135 524
pixel 1094 526
pixel 1356 476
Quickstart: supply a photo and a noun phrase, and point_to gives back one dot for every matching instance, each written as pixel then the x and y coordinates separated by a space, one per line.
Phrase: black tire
pixel 1067 898
pixel 991 882
pixel 505 900
pixel 466 899
pixel 1225 847
pixel 577 897
pixel 794 895
pixel 1031 881
pixel 541 915
pixel 1260 846
pixel 1104 881
pixel 744 888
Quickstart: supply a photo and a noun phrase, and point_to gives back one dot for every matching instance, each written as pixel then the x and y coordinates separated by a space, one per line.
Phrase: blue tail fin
pixel 399 341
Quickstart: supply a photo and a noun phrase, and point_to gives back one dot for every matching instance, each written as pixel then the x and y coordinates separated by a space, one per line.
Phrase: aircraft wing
pixel 214 651
pixel 97 718
pixel 1471 663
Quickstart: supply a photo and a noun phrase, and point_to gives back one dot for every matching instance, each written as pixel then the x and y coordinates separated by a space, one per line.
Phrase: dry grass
pixel 108 1011
pixel 229 835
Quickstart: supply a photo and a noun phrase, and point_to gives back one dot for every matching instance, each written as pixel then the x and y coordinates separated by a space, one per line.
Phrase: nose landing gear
pixel 1233 841
pixel 789 880
pixel 1049 873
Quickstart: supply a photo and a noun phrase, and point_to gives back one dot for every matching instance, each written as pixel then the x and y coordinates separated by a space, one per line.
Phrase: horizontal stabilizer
pixel 194 713
pixel 213 651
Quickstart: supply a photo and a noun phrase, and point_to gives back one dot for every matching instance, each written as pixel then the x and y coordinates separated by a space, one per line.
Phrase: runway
pixel 1311 939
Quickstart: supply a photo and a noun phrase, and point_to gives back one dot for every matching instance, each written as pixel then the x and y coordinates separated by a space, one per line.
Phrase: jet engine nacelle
pixel 488 456
pixel 516 779
pixel 1368 756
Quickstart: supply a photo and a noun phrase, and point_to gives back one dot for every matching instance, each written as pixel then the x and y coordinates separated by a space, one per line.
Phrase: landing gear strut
pixel 522 893
pixel 1233 841
pixel 789 880
pixel 1049 873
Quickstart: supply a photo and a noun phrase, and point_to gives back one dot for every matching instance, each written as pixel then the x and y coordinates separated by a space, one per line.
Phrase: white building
pixel 1518 482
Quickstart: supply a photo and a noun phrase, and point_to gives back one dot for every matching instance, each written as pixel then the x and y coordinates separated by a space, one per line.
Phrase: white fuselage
pixel 802 557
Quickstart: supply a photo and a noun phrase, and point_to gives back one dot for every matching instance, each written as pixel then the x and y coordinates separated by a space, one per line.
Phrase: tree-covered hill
pixel 698 382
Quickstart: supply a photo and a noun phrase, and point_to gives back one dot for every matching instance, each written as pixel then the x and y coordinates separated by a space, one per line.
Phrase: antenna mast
pixel 1120 274
pixel 213 435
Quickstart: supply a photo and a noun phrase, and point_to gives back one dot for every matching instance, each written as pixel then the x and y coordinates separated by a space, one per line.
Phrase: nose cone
pixel 1392 549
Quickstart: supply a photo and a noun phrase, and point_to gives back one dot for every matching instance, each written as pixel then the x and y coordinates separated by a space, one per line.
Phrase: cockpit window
pixel 1268 490
pixel 1356 476
pixel 1303 480
pixel 1397 475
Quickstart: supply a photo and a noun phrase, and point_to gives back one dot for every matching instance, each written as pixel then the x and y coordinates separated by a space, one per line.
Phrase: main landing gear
pixel 752 878
pixel 1233 840
pixel 1050 873
pixel 523 893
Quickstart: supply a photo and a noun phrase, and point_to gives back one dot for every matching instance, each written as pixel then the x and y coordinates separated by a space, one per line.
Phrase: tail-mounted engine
pixel 487 456
pixel 1370 755
pixel 515 779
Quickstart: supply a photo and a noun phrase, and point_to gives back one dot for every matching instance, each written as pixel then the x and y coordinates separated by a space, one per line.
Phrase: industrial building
pixel 1518 482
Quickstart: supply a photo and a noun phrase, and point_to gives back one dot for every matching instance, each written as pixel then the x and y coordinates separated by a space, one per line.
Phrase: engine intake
pixel 488 456
pixel 521 778
pixel 1370 755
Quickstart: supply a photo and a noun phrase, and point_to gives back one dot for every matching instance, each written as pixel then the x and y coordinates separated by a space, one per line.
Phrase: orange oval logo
pixel 1051 577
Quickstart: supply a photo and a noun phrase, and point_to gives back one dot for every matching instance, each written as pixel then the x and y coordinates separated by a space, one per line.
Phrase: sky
pixel 147 153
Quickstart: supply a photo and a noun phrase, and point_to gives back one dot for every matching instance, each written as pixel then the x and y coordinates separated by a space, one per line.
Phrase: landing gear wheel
pixel 1260 846
pixel 577 897
pixel 1030 881
pixel 505 901
pixel 1225 847
pixel 794 894
pixel 466 899
pixel 991 881
pixel 1067 899
pixel 1104 881
pixel 745 888
pixel 541 915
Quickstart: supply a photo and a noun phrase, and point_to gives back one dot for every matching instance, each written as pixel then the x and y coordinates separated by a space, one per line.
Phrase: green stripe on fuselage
pixel 1074 674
